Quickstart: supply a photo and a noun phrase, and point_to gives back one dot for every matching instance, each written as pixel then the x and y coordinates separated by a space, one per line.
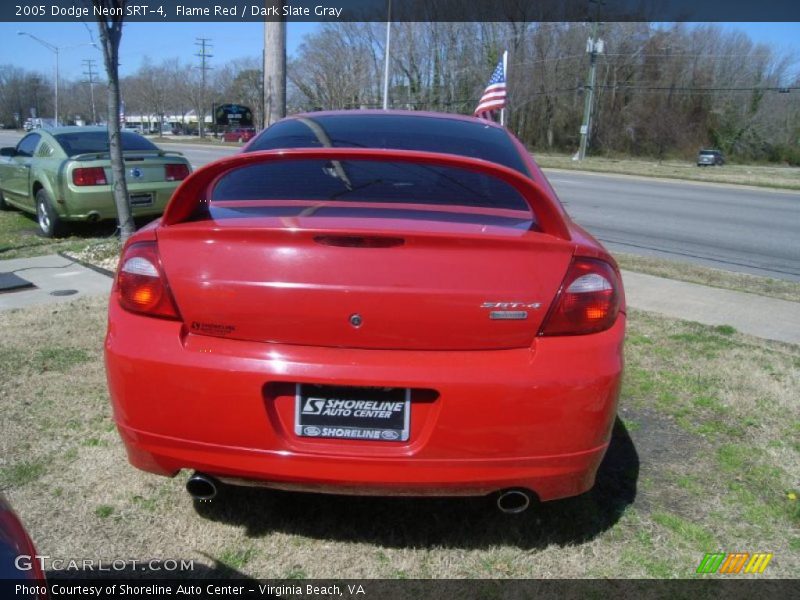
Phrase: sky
pixel 230 41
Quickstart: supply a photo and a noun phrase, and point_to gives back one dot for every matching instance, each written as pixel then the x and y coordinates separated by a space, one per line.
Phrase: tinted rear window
pixel 97 141
pixel 431 134
pixel 367 181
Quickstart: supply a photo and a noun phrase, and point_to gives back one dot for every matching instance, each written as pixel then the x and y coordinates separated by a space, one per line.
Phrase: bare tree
pixel 662 90
pixel 110 36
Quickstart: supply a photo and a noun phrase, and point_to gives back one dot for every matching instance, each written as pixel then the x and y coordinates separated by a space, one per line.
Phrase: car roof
pixel 373 113
pixel 75 129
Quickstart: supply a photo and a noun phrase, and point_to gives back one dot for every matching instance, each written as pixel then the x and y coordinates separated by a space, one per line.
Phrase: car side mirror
pixel 8 151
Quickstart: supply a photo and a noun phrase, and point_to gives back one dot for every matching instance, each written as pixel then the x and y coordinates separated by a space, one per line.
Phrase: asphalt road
pixel 742 229
pixel 736 228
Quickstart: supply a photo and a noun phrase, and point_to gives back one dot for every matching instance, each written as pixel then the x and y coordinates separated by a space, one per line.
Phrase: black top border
pixel 166 11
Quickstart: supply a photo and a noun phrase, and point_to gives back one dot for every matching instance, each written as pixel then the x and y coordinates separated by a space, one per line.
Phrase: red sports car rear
pixel 371 303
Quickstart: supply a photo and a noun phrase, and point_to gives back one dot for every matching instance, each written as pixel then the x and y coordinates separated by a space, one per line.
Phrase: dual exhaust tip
pixel 514 501
pixel 204 488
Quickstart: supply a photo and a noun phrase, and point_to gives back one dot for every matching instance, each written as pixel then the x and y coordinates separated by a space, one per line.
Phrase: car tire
pixel 50 224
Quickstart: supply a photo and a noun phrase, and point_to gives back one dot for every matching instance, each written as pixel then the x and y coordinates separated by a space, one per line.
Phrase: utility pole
pixel 89 72
pixel 203 54
pixel 594 47
pixel 274 68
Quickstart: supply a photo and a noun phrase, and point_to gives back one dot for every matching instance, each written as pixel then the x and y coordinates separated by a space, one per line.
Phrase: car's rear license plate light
pixel 353 413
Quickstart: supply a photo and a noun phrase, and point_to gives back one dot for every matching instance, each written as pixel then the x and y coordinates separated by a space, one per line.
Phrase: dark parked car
pixel 710 158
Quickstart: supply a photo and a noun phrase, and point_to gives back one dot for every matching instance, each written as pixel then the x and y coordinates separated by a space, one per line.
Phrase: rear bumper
pixel 98 201
pixel 537 418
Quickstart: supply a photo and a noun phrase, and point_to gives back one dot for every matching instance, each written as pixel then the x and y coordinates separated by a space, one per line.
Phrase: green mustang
pixel 64 174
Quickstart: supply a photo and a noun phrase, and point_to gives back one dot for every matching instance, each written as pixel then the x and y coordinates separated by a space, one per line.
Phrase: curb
pixel 95 268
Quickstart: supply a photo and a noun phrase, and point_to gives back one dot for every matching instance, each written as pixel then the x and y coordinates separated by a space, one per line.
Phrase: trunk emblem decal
pixel 515 314
pixel 508 315
pixel 512 305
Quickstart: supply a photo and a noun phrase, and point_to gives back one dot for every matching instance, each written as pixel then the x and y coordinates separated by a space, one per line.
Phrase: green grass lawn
pixel 730 280
pixel 705 458
pixel 19 236
pixel 775 176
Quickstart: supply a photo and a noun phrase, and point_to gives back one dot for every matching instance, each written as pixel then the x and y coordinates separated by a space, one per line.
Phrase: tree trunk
pixel 110 36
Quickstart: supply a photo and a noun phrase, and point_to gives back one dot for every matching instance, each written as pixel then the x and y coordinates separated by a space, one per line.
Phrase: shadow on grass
pixel 427 522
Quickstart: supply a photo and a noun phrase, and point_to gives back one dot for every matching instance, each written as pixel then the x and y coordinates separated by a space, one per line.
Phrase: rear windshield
pixel 367 181
pixel 402 132
pixel 97 141
pixel 708 153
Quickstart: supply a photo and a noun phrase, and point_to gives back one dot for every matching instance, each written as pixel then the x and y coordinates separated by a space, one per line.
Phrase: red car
pixel 239 135
pixel 371 303
pixel 21 573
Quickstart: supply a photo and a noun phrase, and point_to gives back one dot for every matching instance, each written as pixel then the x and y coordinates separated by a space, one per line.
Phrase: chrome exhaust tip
pixel 513 502
pixel 202 487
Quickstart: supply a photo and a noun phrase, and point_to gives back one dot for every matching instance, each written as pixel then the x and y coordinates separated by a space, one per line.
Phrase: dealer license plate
pixel 353 413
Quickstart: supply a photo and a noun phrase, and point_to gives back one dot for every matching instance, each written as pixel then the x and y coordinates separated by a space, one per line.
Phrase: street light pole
pixel 55 50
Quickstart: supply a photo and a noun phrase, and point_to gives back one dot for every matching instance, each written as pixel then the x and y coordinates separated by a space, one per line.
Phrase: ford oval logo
pixel 136 173
pixel 390 435
pixel 312 431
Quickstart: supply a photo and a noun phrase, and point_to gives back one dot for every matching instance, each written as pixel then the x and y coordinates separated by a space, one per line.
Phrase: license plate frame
pixel 388 411
pixel 141 199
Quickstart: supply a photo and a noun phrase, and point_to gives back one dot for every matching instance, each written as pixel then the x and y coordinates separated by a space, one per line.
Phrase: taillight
pixel 89 176
pixel 588 300
pixel 141 284
pixel 177 172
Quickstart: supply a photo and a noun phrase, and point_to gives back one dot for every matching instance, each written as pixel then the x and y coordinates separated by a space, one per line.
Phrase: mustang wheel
pixel 50 224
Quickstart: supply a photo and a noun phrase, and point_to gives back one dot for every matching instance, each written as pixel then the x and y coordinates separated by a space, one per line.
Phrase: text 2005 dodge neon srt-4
pixel 371 303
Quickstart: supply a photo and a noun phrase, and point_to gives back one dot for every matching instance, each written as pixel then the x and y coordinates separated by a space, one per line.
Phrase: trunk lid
pixel 413 284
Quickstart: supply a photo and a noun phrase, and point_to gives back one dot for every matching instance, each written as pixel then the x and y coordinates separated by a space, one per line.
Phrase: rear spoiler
pixel 126 153
pixel 194 191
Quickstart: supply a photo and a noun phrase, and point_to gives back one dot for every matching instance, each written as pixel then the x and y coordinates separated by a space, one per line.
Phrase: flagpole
pixel 505 77
pixel 386 57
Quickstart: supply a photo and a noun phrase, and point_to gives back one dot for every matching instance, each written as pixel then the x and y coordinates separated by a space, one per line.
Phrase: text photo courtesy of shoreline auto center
pixel 395 299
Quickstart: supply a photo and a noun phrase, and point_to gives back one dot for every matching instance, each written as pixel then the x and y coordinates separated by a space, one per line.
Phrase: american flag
pixel 494 96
